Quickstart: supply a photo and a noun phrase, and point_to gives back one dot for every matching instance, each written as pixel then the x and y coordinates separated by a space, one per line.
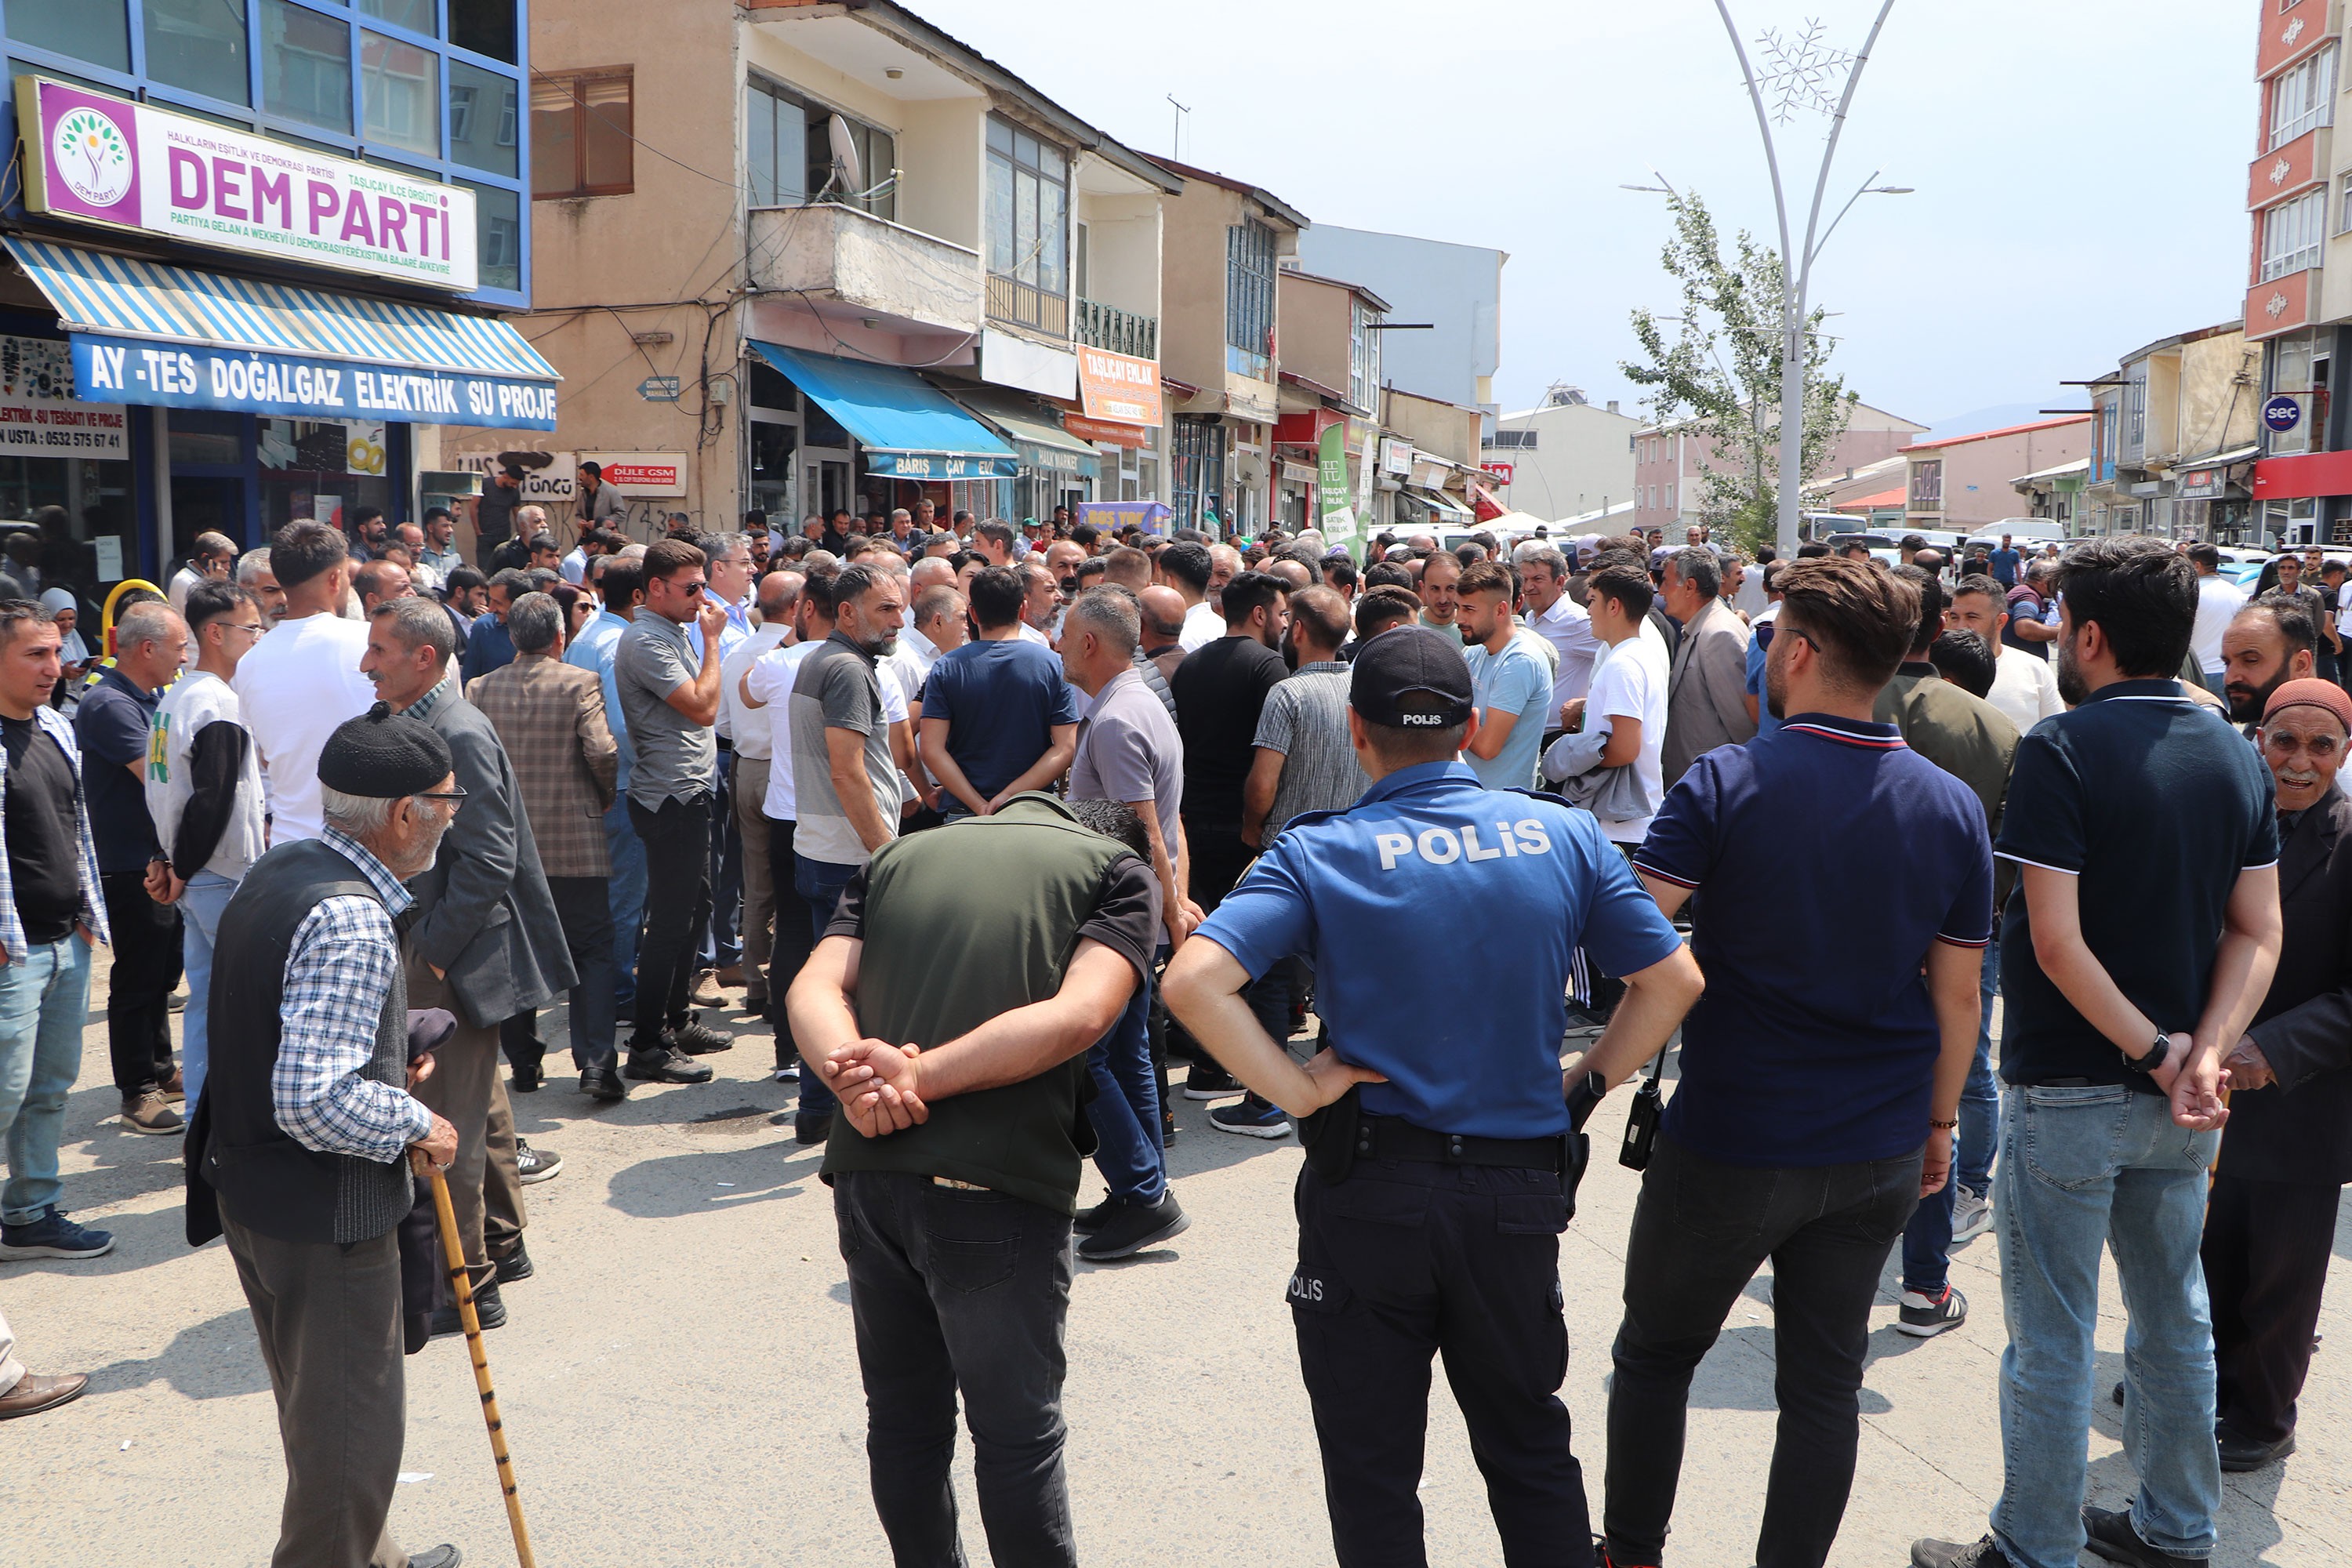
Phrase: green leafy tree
pixel 1718 379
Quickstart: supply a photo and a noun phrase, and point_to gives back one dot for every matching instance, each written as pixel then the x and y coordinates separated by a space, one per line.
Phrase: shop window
pixel 400 86
pixel 199 45
pixel 483 114
pixel 485 26
pixel 498 236
pixel 306 65
pixel 417 16
pixel 97 31
pixel 581 131
pixel 325 470
pixel 1028 229
pixel 198 437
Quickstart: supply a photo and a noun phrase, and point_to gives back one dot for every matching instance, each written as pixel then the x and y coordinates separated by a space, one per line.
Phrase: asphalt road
pixel 680 1387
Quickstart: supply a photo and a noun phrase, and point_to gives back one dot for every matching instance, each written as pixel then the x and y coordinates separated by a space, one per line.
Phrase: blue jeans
pixel 43 1000
pixel 1927 1239
pixel 2080 1168
pixel 819 884
pixel 627 900
pixel 200 909
pixel 1125 1110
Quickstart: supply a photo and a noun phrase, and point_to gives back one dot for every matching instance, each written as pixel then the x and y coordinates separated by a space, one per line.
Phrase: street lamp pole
pixel 1799 76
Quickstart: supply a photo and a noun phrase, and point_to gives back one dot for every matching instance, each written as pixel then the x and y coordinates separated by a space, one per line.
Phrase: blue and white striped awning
pixel 276 348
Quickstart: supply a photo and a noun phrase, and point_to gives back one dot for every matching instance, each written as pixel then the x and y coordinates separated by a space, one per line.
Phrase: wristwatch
pixel 2155 1056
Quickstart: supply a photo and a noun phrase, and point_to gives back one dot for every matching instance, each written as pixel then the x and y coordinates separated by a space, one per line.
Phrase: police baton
pixel 462 1281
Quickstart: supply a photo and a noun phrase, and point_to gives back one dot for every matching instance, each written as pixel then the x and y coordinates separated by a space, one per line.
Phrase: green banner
pixel 1335 513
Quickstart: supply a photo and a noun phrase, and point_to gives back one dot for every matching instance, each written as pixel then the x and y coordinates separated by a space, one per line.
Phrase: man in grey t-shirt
pixel 1305 761
pixel 1129 751
pixel 670 696
pixel 844 782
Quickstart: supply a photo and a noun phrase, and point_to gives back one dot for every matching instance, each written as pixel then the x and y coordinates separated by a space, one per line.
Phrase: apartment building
pixel 2174 441
pixel 1965 483
pixel 1668 462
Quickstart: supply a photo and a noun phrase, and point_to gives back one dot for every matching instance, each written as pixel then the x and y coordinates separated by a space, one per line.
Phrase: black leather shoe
pixel 2113 1538
pixel 602 1083
pixel 700 1039
pixel 439 1557
pixel 665 1065
pixel 2239 1454
pixel 526 1079
pixel 487 1306
pixel 1985 1552
pixel 810 1129
pixel 514 1267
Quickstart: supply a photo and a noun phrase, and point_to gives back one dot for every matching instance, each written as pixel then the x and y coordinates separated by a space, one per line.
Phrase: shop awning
pixel 1040 442
pixel 145 332
pixel 909 427
pixel 1439 502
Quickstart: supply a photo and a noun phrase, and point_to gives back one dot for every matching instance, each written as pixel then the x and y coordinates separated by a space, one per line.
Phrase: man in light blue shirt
pixel 621 582
pixel 1509 684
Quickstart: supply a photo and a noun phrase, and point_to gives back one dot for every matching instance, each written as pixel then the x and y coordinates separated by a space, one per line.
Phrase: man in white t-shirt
pixel 2025 689
pixel 2217 602
pixel 303 679
pixel 1627 701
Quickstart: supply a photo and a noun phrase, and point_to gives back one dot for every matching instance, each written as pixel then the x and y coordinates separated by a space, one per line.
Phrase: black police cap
pixel 1405 661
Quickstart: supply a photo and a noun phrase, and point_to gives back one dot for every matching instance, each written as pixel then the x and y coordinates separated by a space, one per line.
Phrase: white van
pixel 2040 530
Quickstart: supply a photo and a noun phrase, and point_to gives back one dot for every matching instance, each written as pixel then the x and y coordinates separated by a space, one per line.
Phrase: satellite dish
pixel 846 168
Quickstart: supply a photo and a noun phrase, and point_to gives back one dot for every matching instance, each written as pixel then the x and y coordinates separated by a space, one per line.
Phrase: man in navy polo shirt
pixel 1817 1099
pixel 1429 1214
pixel 2139 944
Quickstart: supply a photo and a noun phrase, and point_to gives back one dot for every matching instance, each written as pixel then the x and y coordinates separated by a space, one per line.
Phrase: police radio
pixel 1642 1121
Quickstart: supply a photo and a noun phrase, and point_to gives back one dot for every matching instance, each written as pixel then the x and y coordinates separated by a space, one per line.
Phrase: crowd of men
pixel 995 829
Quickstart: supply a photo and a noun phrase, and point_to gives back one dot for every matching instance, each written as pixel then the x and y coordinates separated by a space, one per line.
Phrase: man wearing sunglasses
pixel 485 941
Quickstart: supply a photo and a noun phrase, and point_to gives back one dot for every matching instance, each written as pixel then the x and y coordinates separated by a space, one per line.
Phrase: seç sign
pixel 93 158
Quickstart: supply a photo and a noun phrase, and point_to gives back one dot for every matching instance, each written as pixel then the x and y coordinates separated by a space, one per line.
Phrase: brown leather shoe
pixel 706 989
pixel 35 1393
pixel 174 1087
pixel 148 1113
pixel 730 976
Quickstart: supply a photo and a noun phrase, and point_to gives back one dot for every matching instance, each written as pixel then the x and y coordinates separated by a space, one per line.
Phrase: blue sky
pixel 2079 167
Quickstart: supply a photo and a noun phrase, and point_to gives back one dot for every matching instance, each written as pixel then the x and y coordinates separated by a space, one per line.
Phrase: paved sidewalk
pixel 680 1387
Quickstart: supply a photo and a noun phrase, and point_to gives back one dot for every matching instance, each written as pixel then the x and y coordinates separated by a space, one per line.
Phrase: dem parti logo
pixel 92 156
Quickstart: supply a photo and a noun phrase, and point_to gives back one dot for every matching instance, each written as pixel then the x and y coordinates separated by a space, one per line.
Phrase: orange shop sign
pixel 1119 388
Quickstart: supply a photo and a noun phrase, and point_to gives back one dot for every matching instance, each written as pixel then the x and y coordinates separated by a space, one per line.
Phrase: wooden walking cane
pixel 462 1281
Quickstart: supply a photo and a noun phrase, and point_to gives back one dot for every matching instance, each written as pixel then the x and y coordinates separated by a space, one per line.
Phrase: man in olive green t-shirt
pixel 957 1047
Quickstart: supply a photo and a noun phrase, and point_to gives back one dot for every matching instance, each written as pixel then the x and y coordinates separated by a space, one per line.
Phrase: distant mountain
pixel 2000 416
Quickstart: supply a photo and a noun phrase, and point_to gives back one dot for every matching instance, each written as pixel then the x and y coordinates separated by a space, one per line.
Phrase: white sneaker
pixel 1971 1214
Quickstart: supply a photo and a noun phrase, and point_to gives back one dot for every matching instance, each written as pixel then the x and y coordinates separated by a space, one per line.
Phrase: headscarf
pixel 74 650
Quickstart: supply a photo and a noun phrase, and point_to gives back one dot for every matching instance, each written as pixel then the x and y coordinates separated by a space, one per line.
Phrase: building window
pixel 1927 485
pixel 486 26
pixel 789 154
pixel 401 87
pixel 2302 96
pixel 1363 357
pixel 306 65
pixel 1519 440
pixel 417 16
pixel 1249 300
pixel 482 115
pixel 776 145
pixel 97 31
pixel 198 44
pixel 581 126
pixel 1670 497
pixel 2135 413
pixel 1028 229
pixel 2290 235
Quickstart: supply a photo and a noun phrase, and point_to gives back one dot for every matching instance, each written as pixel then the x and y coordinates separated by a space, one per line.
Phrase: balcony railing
pixel 1121 331
pixel 1020 304
pixel 841 253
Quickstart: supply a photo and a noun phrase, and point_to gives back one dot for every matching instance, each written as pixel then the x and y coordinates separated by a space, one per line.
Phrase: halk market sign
pixel 94 159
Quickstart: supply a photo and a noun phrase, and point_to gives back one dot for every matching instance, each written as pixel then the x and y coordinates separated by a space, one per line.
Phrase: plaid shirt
pixel 338 968
pixel 93 907
pixel 421 709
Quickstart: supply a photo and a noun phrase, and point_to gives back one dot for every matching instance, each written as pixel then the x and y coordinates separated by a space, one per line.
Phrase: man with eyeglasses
pixel 669 695
pixel 204 790
pixel 485 942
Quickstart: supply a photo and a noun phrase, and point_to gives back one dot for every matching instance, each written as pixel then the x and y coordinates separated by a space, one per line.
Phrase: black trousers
pixel 794 936
pixel 584 906
pixel 1700 1232
pixel 1406 1260
pixel 956 1290
pixel 2266 1251
pixel 677 904
pixel 1219 860
pixel 138 991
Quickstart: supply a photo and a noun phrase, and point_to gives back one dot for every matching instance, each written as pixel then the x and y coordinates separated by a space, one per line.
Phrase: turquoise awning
pixel 909 428
pixel 143 332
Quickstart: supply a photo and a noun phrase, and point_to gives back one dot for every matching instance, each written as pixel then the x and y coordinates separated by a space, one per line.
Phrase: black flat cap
pixel 383 756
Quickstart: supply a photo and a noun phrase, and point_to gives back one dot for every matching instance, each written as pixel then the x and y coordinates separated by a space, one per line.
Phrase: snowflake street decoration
pixel 1804 72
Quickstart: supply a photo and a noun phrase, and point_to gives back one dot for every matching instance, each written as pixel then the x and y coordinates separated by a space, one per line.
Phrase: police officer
pixel 1434 1198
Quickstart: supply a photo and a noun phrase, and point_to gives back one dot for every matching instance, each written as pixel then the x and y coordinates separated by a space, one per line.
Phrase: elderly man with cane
pixel 298 1150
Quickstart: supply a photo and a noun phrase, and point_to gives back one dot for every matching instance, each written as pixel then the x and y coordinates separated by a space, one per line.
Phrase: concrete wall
pixel 1312 323
pixel 1458 288
pixel 2214 411
pixel 944 153
pixel 1977 474
pixel 1193 281
pixel 1123 237
pixel 1582 459
pixel 1447 429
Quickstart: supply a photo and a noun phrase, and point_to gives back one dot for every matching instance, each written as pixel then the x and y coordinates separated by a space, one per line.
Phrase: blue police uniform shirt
pixel 1826 857
pixel 1384 897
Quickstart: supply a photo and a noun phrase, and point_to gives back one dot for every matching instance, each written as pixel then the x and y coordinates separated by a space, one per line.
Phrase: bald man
pixel 931 571
pixel 1164 623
